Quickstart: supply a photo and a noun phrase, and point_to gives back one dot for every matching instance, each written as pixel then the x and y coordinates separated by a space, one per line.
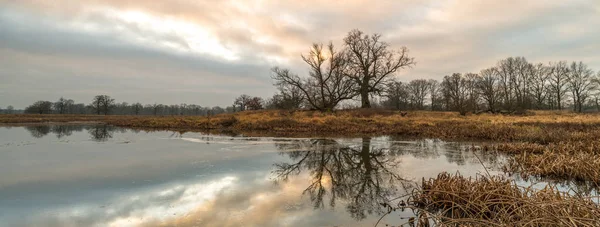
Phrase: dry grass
pixel 542 128
pixel 565 160
pixel 454 200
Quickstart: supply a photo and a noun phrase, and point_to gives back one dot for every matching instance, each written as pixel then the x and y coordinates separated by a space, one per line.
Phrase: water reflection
pixel 206 180
pixel 38 131
pixel 99 133
pixel 363 176
pixel 454 152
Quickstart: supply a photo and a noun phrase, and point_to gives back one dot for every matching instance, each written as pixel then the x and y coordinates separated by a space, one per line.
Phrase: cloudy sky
pixel 208 52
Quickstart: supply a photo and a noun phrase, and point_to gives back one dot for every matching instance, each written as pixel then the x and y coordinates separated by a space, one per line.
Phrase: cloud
pixel 208 52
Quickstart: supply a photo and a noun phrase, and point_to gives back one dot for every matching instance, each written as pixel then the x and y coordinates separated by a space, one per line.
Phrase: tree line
pixel 365 66
pixel 105 105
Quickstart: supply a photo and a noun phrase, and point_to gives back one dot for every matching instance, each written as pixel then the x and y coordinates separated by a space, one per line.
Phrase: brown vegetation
pixel 542 128
pixel 453 200
pixel 566 160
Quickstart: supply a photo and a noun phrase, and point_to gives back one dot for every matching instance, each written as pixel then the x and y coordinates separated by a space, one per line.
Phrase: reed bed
pixel 580 166
pixel 454 200
pixel 565 160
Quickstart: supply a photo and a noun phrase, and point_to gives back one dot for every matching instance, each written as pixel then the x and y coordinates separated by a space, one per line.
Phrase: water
pixel 100 175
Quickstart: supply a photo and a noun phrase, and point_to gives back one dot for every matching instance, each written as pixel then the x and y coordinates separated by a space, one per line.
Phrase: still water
pixel 100 175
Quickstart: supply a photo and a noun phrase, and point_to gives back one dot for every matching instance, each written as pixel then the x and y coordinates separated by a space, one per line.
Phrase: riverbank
pixel 541 128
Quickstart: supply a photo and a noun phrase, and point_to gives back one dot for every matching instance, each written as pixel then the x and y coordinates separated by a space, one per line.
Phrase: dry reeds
pixel 580 166
pixel 454 200
pixel 566 160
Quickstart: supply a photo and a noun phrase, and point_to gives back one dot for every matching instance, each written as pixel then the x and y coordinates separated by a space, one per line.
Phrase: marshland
pixel 283 113
pixel 440 168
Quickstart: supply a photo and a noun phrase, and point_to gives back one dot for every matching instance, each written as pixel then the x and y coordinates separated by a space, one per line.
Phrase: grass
pixel 454 200
pixel 567 160
pixel 541 128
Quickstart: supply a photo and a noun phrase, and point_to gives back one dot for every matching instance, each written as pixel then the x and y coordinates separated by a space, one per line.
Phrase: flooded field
pixel 101 175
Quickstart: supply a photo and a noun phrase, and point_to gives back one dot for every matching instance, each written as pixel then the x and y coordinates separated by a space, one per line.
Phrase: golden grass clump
pixel 581 166
pixel 454 200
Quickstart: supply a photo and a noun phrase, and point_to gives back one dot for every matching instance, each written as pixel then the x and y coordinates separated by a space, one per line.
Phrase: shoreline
pixel 542 128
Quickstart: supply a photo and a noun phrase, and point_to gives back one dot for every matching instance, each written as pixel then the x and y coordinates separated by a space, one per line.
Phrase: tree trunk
pixel 364 99
pixel 365 154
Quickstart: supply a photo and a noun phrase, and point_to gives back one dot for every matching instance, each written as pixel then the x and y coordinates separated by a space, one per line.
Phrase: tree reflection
pixel 459 153
pixel 65 130
pixel 362 176
pixel 98 133
pixel 38 131
pixel 101 133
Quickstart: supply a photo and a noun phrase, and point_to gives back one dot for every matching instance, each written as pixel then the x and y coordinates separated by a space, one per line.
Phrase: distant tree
pixel 540 74
pixel 62 106
pixel 489 88
pixel 434 94
pixel 418 90
pixel 559 73
pixel 79 108
pixel 230 109
pixel 470 81
pixel 136 108
pixel 580 82
pixel 156 109
pixel 242 101
pixel 173 109
pixel 217 110
pixel 457 87
pixel 121 108
pixel 102 104
pixel 327 84
pixel 288 97
pixel 514 82
pixel 255 103
pixel 397 95
pixel 9 110
pixel 372 63
pixel 39 107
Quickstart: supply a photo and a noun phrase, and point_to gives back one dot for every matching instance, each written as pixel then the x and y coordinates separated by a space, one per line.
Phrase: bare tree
pixel 434 94
pixel 397 95
pixel 288 97
pixel 514 82
pixel 559 73
pixel 373 62
pixel 580 83
pixel 506 72
pixel 521 83
pixel 255 103
pixel 418 92
pixel 470 81
pixel 102 104
pixel 242 101
pixel 327 84
pixel 137 107
pixel 39 107
pixel 9 110
pixel 60 106
pixel 157 109
pixel 456 87
pixel 540 74
pixel 489 88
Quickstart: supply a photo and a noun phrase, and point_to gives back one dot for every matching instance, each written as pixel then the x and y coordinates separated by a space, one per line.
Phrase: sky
pixel 209 52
